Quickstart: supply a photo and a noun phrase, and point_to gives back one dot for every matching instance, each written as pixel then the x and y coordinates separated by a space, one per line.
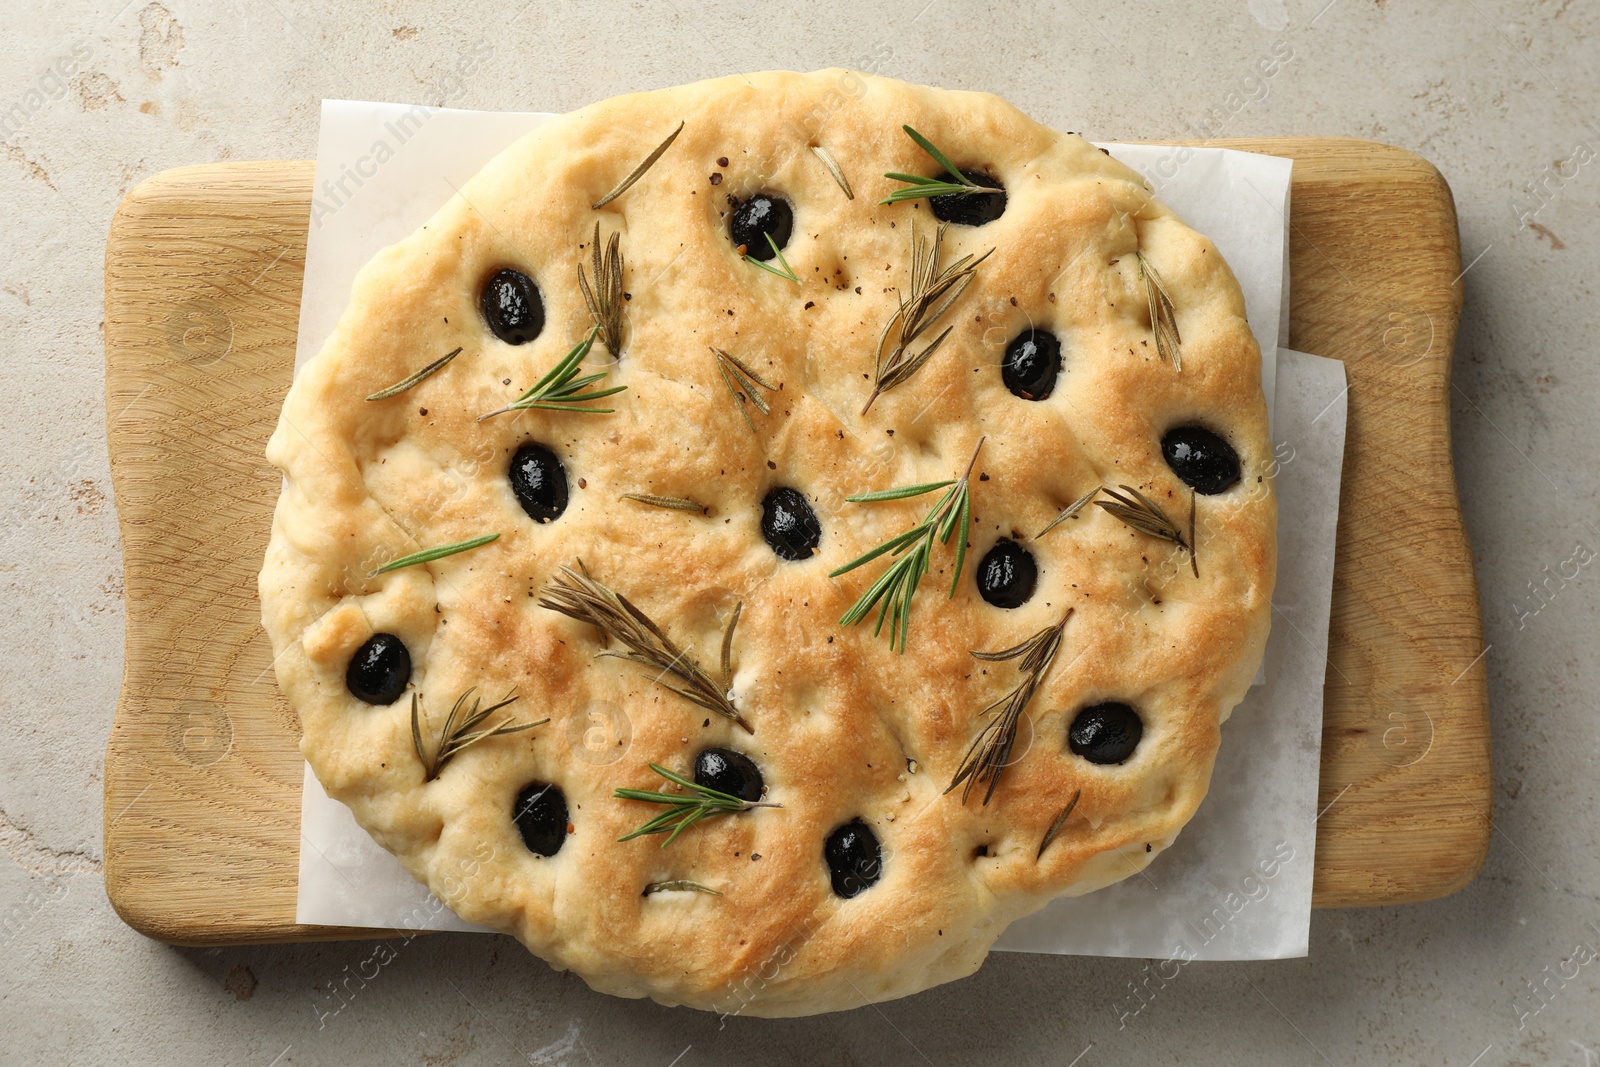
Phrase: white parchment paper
pixel 384 169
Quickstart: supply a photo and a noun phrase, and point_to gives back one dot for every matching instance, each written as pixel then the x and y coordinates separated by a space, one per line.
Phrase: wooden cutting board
pixel 202 777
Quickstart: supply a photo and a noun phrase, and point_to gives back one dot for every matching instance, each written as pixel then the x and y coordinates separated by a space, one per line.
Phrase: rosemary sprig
pixel 672 503
pixel 742 383
pixel 561 389
pixel 399 387
pixel 682 885
pixel 1057 824
pixel 1140 512
pixel 932 292
pixel 894 589
pixel 461 729
pixel 685 809
pixel 785 272
pixel 1069 511
pixel 958 184
pixel 638 172
pixel 990 751
pixel 428 555
pixel 605 298
pixel 1163 319
pixel 576 595
pixel 833 169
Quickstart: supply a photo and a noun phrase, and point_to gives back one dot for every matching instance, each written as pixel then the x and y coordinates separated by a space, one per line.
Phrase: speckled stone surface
pixel 1501 96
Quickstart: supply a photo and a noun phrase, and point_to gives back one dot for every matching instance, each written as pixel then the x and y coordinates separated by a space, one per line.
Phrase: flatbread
pixel 844 726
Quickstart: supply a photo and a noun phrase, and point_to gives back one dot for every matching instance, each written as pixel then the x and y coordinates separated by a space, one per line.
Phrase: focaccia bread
pixel 659 409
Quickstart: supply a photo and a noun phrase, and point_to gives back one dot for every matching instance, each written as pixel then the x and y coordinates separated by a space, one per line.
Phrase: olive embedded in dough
pixel 539 481
pixel 1205 462
pixel 380 670
pixel 1031 364
pixel 970 209
pixel 1105 733
pixel 789 524
pixel 541 817
pixel 757 218
pixel 1007 574
pixel 729 772
pixel 854 858
pixel 512 306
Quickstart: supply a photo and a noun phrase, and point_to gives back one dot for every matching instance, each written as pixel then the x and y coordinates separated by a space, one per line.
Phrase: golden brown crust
pixel 837 714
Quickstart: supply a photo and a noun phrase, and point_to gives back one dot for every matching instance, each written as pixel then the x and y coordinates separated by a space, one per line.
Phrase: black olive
pixel 1031 363
pixel 853 857
pixel 755 218
pixel 1203 460
pixel 789 524
pixel 970 209
pixel 379 670
pixel 1105 733
pixel 1007 574
pixel 541 817
pixel 729 772
pixel 512 307
pixel 540 482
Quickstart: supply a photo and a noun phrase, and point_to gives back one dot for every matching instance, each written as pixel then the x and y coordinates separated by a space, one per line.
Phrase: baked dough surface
pixel 844 727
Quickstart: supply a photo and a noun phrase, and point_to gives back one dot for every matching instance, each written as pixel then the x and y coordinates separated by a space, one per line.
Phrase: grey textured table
pixel 1501 96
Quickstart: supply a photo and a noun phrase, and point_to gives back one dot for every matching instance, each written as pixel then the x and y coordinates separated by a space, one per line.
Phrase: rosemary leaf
pixel 576 595
pixel 893 591
pixel 1055 826
pixel 938 156
pixel 605 298
pixel 428 555
pixel 561 389
pixel 727 646
pixel 785 272
pixel 679 885
pixel 461 729
pixel 894 544
pixel 684 809
pixel 918 186
pixel 1163 318
pixel 1069 511
pixel 833 169
pixel 399 387
pixel 673 503
pixel 1139 512
pixel 925 187
pixel 963 522
pixel 638 172
pixel 902 493
pixel 932 292
pixel 990 752
pixel 742 382
pixel 903 371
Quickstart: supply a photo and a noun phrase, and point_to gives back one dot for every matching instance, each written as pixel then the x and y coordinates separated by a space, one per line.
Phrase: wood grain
pixel 202 781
